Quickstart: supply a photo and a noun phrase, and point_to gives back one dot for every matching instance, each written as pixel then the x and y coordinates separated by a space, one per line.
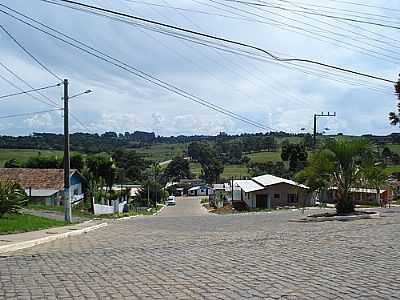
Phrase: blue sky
pixel 279 96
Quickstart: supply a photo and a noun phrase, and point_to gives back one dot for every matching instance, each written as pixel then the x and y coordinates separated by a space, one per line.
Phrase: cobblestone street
pixel 198 256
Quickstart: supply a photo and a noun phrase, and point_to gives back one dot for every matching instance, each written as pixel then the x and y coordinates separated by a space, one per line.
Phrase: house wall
pixel 282 190
pixel 361 198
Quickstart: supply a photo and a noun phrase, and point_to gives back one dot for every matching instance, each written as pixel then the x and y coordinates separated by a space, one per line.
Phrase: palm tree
pixel 12 198
pixel 338 165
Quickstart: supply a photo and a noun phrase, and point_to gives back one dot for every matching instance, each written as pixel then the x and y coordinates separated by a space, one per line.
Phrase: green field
pixel 265 156
pixel 23 155
pixel 163 152
pixel 16 223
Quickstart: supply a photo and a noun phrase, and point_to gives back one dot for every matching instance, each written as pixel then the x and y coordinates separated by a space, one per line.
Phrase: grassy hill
pixel 23 155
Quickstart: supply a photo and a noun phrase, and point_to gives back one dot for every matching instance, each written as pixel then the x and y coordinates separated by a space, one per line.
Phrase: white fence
pixel 116 207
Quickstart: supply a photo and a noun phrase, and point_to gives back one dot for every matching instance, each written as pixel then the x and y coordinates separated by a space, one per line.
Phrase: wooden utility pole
pixel 67 194
pixel 315 124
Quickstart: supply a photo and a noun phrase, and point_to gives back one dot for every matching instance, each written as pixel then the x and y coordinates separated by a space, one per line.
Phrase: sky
pixel 280 96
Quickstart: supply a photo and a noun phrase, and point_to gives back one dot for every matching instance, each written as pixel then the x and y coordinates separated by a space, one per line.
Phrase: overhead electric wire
pixel 327 16
pixel 17 87
pixel 242 53
pixel 353 47
pixel 308 61
pixel 347 30
pixel 30 91
pixel 384 39
pixel 107 58
pixel 29 114
pixel 337 9
pixel 364 5
pixel 30 54
pixel 354 14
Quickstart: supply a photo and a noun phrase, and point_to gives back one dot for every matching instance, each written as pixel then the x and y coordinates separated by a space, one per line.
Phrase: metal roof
pixel 248 186
pixel 41 192
pixel 268 180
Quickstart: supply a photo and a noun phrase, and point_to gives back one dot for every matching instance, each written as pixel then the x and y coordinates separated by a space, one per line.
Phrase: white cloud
pixel 281 96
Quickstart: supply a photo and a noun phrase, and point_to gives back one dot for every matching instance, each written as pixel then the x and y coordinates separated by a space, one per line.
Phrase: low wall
pixel 117 207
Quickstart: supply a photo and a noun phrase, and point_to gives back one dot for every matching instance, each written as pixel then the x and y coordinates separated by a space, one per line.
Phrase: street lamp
pixel 80 94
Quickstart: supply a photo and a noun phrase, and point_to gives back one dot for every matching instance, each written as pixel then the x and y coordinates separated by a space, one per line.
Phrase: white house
pixel 200 191
pixel 269 191
pixel 45 186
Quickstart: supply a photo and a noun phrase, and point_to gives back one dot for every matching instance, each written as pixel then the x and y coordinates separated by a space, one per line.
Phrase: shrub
pixel 12 198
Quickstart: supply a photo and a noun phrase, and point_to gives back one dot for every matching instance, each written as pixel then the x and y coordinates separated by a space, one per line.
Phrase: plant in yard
pixel 12 198
pixel 375 177
pixel 337 165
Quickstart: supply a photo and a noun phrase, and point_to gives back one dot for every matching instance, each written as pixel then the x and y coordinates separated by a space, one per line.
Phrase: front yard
pixel 17 223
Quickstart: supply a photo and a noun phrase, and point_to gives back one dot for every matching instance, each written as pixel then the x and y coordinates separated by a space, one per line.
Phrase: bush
pixel 12 198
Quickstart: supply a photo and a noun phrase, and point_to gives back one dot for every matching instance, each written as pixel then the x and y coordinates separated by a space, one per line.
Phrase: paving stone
pixel 252 256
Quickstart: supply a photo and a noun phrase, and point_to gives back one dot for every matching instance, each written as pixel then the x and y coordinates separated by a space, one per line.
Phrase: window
pixel 277 196
pixel 292 198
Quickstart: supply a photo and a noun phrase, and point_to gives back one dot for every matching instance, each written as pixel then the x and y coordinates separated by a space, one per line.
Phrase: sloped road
pixel 185 254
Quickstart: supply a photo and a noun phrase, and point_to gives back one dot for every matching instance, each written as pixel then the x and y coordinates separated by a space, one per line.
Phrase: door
pixel 262 201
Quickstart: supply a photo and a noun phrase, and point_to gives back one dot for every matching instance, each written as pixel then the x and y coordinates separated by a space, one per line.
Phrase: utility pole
pixel 315 123
pixel 67 194
pixel 232 189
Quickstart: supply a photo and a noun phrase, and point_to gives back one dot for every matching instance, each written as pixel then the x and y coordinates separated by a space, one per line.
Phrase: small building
pixel 200 191
pixel 268 191
pixel 363 196
pixel 45 186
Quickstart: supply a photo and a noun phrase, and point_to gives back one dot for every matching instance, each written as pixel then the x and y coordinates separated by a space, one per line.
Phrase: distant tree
pixel 294 154
pixel 131 162
pixel 212 170
pixel 77 162
pixel 308 141
pixel 195 150
pixel 268 167
pixel 102 166
pixel 178 168
pixel 150 193
pixel 386 153
pixel 235 151
pixel 12 163
pixel 44 162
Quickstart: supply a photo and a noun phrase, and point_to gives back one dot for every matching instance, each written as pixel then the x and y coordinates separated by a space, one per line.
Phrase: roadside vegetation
pixel 18 223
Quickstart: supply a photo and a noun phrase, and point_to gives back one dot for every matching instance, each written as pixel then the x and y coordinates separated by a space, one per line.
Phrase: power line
pixel 29 114
pixel 30 91
pixel 319 14
pixel 30 54
pixel 53 104
pixel 350 46
pixel 120 64
pixel 235 51
pixel 227 41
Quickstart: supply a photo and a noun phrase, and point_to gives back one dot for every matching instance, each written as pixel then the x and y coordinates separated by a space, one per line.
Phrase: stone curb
pixel 47 239
pixel 132 217
pixel 337 218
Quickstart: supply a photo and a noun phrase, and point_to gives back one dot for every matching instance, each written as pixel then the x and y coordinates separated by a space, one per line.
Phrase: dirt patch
pixel 226 209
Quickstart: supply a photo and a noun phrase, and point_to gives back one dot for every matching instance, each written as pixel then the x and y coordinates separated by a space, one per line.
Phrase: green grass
pixel 162 152
pixel 23 155
pixel 17 223
pixel 229 170
pixel 75 211
pixel 394 148
pixel 260 157
pixel 392 169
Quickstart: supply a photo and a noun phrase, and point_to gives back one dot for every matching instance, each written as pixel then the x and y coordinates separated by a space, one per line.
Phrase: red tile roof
pixel 35 178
